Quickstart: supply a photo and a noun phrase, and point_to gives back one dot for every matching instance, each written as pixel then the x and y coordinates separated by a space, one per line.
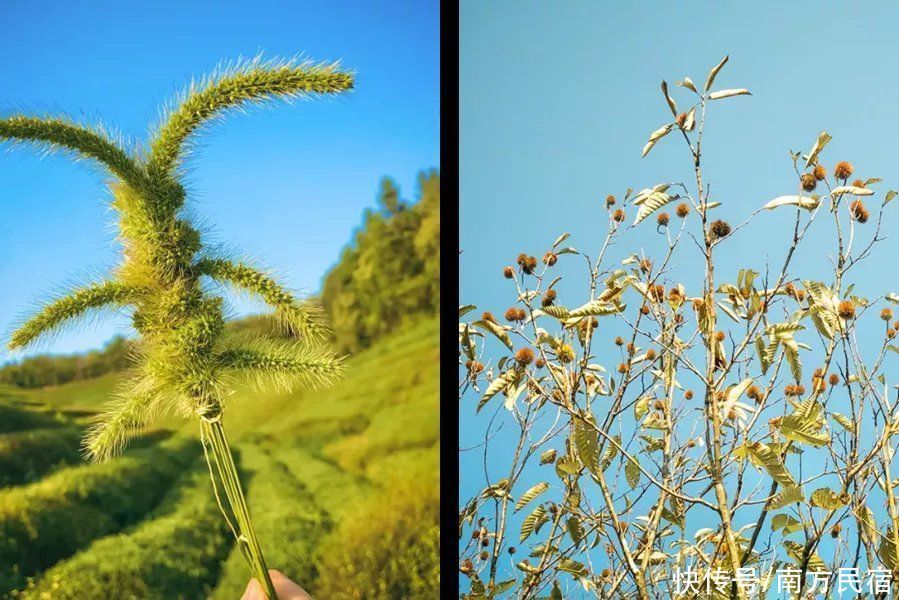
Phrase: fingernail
pixel 251 592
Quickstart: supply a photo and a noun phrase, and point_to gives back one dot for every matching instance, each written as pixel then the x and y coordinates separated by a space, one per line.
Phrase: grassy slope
pixel 321 455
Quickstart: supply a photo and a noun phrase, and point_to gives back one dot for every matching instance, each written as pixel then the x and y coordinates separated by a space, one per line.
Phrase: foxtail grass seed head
pixel 843 170
pixel 186 359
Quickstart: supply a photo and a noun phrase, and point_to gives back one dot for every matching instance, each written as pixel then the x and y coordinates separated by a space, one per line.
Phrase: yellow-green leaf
pixel 786 496
pixel 498 385
pixel 770 459
pixel 530 495
pixel 497 330
pixel 531 521
pixel 548 456
pixel 806 426
pixel 575 530
pixel 632 472
pixel 826 498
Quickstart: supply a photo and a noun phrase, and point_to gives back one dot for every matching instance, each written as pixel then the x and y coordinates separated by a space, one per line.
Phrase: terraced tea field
pixel 343 485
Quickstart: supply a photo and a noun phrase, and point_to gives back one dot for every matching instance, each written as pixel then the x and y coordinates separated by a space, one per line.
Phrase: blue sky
pixel 285 184
pixel 558 99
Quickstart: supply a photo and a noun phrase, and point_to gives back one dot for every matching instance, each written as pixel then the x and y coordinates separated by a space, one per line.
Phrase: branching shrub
pixel 686 414
pixel 27 455
pixel 49 520
pixel 20 419
pixel 389 548
pixel 175 553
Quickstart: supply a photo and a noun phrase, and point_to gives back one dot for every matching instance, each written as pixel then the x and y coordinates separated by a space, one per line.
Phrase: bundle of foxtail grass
pixel 186 360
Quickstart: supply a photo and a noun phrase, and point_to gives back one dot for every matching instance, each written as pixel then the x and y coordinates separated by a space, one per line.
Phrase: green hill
pixel 343 485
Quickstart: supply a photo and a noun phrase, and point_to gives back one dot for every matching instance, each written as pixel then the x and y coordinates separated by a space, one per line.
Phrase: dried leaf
pixel 729 93
pixel 714 73
pixel 806 202
pixel 671 103
pixel 823 139
pixel 656 135
pixel 688 83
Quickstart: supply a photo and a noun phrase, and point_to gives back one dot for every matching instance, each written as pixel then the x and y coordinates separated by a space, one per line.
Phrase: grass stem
pixel 223 469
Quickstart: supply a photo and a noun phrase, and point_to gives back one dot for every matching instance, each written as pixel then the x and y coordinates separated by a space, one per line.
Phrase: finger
pixel 253 591
pixel 287 589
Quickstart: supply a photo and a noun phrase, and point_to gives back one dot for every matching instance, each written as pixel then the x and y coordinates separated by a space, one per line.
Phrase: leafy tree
pixel 184 361
pixel 617 476
pixel 45 370
pixel 391 270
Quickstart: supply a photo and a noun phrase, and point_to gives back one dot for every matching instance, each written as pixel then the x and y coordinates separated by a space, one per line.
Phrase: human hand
pixel 284 587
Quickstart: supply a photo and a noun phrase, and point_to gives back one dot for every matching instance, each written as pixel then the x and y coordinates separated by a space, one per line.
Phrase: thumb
pixel 254 591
